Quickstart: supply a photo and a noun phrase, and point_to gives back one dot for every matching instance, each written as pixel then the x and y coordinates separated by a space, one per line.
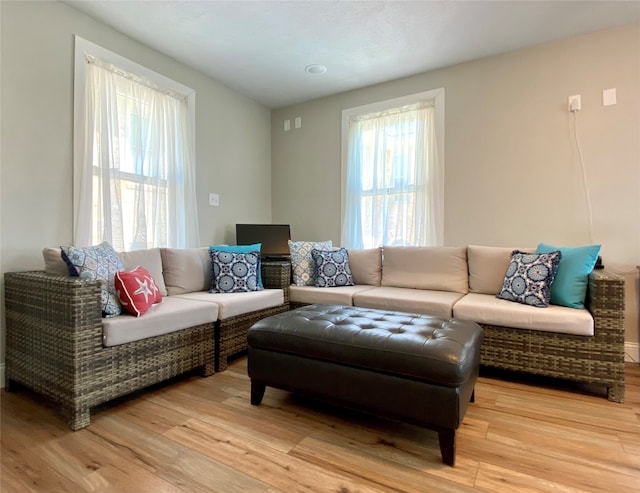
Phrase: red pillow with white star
pixel 137 290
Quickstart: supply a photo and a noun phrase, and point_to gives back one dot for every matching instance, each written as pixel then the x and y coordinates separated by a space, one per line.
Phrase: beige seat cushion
pixel 487 309
pixel 435 268
pixel 366 266
pixel 428 302
pixel 186 269
pixel 234 304
pixel 150 259
pixel 169 316
pixel 487 267
pixel 342 295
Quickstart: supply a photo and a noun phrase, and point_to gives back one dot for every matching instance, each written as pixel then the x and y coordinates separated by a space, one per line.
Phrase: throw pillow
pixel 242 249
pixel 570 285
pixel 99 262
pixel 234 272
pixel 332 268
pixel 137 290
pixel 528 278
pixel 302 266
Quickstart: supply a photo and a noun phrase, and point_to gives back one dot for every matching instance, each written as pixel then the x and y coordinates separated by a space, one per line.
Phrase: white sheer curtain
pixel 393 193
pixel 137 179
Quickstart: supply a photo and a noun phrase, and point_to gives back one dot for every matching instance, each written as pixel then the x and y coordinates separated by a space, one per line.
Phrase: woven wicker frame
pixel 277 275
pixel 231 333
pixel 54 346
pixel 597 359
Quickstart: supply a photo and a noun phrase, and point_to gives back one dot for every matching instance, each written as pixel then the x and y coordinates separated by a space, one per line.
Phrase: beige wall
pixel 512 174
pixel 233 139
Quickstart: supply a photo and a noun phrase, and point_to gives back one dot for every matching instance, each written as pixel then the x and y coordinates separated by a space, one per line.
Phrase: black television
pixel 273 237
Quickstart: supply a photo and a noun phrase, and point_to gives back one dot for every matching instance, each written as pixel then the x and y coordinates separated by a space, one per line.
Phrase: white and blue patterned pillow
pixel 234 272
pixel 302 267
pixel 529 277
pixel 332 268
pixel 241 249
pixel 99 262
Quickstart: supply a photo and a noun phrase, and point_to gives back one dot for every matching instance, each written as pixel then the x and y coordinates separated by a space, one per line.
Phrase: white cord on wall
pixel 584 175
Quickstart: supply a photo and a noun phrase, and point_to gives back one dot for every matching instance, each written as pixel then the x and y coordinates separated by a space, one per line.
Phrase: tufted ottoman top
pixel 421 347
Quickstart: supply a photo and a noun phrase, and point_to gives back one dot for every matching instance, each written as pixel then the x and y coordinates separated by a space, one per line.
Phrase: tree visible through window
pixel 135 161
pixel 393 189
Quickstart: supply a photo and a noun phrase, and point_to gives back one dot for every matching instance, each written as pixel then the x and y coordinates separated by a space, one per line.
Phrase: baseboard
pixel 2 376
pixel 631 352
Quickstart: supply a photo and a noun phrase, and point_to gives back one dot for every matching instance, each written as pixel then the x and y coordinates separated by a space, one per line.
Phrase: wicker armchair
pixel 598 359
pixel 54 346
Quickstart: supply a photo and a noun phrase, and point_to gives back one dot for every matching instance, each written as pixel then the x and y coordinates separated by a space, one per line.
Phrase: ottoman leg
pixel 447 440
pixel 257 392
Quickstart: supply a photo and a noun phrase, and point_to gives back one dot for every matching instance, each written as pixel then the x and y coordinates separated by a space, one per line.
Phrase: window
pixel 134 182
pixel 392 176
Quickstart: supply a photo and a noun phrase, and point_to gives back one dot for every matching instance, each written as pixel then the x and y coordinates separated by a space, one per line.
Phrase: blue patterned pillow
pixel 99 262
pixel 234 272
pixel 302 267
pixel 529 276
pixel 332 268
pixel 241 249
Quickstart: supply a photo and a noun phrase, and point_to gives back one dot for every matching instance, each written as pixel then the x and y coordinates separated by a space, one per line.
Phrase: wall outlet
pixel 214 199
pixel 574 103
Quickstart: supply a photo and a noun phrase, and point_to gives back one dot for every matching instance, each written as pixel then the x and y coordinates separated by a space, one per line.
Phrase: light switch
pixel 214 199
pixel 298 121
pixel 287 125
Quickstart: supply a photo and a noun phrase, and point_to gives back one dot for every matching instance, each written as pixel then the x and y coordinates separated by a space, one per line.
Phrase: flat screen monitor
pixel 274 238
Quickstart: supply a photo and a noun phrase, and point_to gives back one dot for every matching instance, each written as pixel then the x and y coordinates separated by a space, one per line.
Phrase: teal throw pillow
pixel 569 288
pixel 242 249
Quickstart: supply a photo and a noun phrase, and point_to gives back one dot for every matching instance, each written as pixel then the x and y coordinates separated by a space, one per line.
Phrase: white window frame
pixel 436 95
pixel 85 48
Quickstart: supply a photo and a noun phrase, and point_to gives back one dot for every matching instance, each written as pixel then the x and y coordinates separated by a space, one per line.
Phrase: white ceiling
pixel 260 48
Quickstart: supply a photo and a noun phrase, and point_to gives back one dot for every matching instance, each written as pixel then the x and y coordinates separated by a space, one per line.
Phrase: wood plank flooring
pixel 199 434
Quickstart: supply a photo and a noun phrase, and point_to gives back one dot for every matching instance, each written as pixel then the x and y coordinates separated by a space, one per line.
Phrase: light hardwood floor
pixel 201 435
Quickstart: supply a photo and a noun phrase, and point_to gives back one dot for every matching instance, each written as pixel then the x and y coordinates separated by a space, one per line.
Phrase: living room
pixel 510 149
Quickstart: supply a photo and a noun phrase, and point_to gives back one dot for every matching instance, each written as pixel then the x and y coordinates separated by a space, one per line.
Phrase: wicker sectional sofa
pixel 583 345
pixel 59 345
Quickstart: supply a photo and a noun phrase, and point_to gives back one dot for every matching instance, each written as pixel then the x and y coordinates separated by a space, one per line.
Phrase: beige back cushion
pixel 150 259
pixel 53 263
pixel 437 268
pixel 366 266
pixel 186 269
pixel 487 267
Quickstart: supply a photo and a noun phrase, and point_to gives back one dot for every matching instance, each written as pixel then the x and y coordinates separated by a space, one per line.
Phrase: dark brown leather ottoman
pixel 413 368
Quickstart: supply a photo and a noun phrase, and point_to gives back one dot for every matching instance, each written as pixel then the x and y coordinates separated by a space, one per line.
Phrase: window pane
pixel 134 182
pixel 393 159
